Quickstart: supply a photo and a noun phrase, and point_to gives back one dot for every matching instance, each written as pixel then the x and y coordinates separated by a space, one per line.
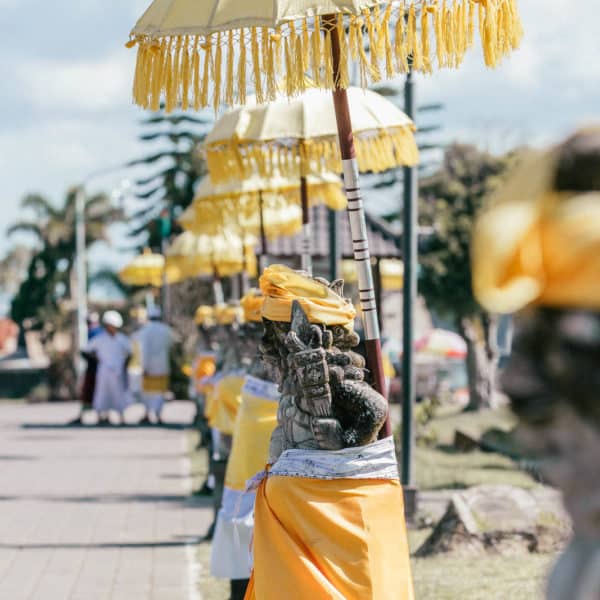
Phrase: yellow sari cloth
pixel 225 403
pixel 340 538
pixel 256 420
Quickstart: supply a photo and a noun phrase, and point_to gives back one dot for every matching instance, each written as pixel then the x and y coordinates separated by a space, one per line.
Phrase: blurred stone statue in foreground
pixel 537 252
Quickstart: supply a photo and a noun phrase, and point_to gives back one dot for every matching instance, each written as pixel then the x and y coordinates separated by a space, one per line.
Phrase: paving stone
pixel 95 513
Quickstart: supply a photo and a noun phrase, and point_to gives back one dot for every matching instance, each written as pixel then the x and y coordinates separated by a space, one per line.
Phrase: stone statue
pixel 553 380
pixel 325 402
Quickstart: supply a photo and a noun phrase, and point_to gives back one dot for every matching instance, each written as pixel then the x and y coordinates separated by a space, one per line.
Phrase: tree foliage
pixel 174 165
pixel 48 279
pixel 450 201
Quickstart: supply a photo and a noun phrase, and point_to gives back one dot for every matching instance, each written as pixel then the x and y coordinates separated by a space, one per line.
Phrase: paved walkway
pixel 95 513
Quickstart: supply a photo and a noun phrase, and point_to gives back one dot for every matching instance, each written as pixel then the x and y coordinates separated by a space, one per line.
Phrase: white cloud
pixel 87 86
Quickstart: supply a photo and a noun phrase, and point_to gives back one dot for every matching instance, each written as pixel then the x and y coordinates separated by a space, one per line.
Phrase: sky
pixel 67 110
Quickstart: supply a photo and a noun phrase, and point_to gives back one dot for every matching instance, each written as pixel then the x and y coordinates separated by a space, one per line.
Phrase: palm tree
pixel 48 280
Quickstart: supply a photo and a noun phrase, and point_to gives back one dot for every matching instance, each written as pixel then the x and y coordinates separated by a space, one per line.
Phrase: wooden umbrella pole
pixel 263 236
pixel 358 226
pixel 306 254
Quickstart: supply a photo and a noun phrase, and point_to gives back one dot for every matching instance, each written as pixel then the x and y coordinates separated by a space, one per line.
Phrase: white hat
pixel 154 312
pixel 113 319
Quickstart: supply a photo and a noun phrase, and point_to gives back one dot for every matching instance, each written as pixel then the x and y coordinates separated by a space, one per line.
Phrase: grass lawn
pixel 487 577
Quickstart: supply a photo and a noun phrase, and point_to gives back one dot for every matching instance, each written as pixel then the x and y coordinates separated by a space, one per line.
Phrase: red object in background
pixel 9 334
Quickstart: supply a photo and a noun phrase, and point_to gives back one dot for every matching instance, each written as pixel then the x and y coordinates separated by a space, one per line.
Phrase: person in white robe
pixel 155 339
pixel 112 350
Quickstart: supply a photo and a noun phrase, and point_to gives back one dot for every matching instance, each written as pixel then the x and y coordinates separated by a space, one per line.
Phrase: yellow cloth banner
pixel 256 420
pixel 342 539
pixel 225 403
pixel 155 384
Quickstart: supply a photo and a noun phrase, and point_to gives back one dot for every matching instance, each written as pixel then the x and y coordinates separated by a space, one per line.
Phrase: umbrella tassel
pixel 230 63
pixel 374 62
pixel 300 68
pixel 400 45
pixel 185 82
pixel 207 47
pixel 270 68
pixel 343 77
pixel 490 35
pixel 242 69
pixel 256 66
pixel 289 83
pixel 316 52
pixel 196 75
pixel 178 78
pixel 425 47
pixel 387 44
pixel 305 42
pixel 217 74
pixel 328 62
pixel 292 74
pixel 353 37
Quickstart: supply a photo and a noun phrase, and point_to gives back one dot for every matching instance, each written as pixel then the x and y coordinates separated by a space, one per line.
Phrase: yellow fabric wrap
pixel 538 246
pixel 210 394
pixel 227 315
pixel 205 315
pixel 256 420
pixel 341 539
pixel 281 286
pixel 205 367
pixel 155 384
pixel 252 304
pixel 225 403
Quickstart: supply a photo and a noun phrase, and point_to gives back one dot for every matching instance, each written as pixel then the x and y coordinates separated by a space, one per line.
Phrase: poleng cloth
pixel 331 525
pixel 226 402
pixel 256 420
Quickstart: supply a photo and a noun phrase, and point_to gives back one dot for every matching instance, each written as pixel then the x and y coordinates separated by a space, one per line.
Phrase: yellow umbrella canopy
pixel 201 53
pixel 240 203
pixel 226 254
pixel 145 270
pixel 300 136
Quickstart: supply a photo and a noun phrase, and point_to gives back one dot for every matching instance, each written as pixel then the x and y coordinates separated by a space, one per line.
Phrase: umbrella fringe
pixel 380 151
pixel 212 214
pixel 299 52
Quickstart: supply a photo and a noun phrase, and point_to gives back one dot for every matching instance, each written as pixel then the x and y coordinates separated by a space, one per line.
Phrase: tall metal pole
pixel 335 251
pixel 81 274
pixel 409 244
pixel 358 226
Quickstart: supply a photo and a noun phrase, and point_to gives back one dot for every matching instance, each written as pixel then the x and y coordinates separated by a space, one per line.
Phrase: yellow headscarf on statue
pixel 227 314
pixel 281 285
pixel 252 304
pixel 536 245
pixel 205 315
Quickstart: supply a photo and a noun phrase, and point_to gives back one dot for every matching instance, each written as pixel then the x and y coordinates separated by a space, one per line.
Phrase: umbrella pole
pixel 263 236
pixel 306 256
pixel 358 227
pixel 218 287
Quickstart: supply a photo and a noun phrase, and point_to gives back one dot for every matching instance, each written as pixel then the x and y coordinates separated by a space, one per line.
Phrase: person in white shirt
pixel 112 350
pixel 155 340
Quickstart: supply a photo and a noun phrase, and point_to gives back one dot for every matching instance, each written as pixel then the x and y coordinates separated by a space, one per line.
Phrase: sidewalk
pixel 93 513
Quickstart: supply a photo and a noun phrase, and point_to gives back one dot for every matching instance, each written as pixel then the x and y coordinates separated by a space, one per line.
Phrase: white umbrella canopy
pixel 203 53
pixel 299 136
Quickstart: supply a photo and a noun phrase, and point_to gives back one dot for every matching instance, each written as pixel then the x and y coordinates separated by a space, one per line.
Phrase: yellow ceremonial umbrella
pixel 299 136
pixel 269 207
pixel 391 271
pixel 223 255
pixel 147 269
pixel 212 52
